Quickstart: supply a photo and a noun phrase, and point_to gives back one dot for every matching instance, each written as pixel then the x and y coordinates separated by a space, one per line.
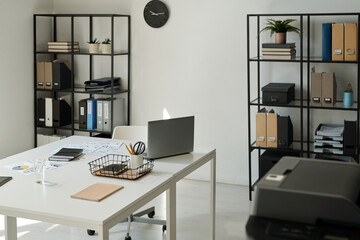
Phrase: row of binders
pixel 273 130
pixel 95 114
pixel 63 47
pixel 336 138
pixel 339 42
pixel 323 89
pixel 53 75
pixel 53 112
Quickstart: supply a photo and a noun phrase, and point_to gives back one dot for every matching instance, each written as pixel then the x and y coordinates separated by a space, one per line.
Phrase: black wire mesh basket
pixel 118 166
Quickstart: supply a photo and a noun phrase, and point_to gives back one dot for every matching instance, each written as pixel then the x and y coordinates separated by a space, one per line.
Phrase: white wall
pixel 195 64
pixel 16 73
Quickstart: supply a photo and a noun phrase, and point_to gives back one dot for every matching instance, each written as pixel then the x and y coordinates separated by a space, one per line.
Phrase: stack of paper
pixel 66 154
pixel 329 139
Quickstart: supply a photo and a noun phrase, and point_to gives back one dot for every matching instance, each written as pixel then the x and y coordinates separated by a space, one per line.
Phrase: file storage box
pixel 278 93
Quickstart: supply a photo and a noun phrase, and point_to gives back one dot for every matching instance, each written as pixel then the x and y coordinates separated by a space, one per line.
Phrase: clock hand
pixel 152 13
pixel 160 13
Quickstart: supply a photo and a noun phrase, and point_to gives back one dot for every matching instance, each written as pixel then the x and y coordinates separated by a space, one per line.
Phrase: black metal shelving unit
pixel 303 145
pixel 73 127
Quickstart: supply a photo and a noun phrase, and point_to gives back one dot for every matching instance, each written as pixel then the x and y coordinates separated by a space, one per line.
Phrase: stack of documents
pixel 102 84
pixel 329 139
pixel 278 51
pixel 63 47
pixel 66 154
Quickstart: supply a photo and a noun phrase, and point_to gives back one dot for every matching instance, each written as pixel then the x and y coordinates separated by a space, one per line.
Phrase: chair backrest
pixel 132 133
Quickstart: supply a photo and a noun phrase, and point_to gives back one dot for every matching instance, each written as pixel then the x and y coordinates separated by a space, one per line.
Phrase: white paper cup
pixel 136 161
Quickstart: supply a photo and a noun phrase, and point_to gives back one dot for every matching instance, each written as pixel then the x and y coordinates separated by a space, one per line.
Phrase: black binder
pixel 61 74
pixel 61 113
pixel 284 131
pixel 83 113
pixel 349 137
pixel 40 112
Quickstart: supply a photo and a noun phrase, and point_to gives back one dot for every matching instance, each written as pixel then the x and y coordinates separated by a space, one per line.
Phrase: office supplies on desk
pixel 97 191
pixel 4 180
pixel 114 169
pixel 139 148
pixel 66 154
pixel 170 137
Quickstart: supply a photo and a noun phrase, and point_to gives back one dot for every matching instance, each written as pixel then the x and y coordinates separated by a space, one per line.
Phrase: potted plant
pixel 106 46
pixel 348 96
pixel 280 28
pixel 94 45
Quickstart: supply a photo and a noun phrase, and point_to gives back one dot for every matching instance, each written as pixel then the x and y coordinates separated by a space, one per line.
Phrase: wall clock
pixel 156 13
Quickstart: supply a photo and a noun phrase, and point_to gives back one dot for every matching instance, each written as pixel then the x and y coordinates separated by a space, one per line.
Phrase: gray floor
pixel 193 222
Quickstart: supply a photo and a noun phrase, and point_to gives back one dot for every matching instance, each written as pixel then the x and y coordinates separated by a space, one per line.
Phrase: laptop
pixel 170 137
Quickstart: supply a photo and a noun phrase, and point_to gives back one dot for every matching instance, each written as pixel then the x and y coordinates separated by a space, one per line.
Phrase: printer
pixel 307 199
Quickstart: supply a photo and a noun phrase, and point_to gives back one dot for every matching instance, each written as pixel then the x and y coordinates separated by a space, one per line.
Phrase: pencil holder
pixel 136 161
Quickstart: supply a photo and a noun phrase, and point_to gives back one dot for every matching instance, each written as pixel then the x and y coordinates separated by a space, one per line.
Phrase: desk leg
pixel 10 228
pixel 103 234
pixel 213 195
pixel 171 212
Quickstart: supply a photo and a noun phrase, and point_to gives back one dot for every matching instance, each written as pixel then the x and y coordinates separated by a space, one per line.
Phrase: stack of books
pixel 278 51
pixel 66 154
pixel 329 139
pixel 102 84
pixel 62 47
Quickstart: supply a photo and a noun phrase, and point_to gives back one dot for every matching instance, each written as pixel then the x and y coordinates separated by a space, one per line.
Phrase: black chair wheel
pixel 128 238
pixel 90 232
pixel 151 214
pixel 164 228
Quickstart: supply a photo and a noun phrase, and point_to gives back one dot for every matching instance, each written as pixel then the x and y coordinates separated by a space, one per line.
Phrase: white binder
pixel 118 111
pixel 48 112
pixel 100 124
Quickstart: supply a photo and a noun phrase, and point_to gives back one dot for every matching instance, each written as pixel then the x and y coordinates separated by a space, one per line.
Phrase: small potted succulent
pixel 280 28
pixel 348 96
pixel 106 46
pixel 94 45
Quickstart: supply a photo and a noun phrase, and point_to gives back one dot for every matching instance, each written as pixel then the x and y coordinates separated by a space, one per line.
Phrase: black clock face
pixel 156 13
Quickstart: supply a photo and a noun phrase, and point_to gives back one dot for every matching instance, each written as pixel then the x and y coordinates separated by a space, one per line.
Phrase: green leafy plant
pixel 95 41
pixel 106 41
pixel 278 26
pixel 348 88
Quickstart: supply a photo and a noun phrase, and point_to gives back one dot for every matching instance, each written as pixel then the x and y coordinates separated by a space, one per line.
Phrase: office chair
pixel 135 133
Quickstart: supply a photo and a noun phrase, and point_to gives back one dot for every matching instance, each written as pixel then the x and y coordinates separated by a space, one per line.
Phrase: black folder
pixel 284 131
pixel 349 137
pixel 61 113
pixel 40 119
pixel 83 113
pixel 61 74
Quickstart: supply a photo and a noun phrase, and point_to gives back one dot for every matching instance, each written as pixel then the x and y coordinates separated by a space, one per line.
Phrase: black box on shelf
pixel 278 93
pixel 350 137
pixel 271 156
pixel 61 113
pixel 284 131
pixel 61 74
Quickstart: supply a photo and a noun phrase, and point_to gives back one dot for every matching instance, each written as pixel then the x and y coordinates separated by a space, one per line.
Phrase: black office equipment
pixel 284 132
pixel 272 156
pixel 61 113
pixel 307 199
pixel 350 136
pixel 40 119
pixel 61 74
pixel 4 180
pixel 278 93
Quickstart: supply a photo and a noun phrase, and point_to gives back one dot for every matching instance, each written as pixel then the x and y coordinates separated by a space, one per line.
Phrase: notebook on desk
pixel 170 137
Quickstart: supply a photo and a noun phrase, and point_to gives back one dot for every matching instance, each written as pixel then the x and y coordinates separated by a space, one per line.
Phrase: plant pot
pixel 94 47
pixel 348 99
pixel 280 37
pixel 106 48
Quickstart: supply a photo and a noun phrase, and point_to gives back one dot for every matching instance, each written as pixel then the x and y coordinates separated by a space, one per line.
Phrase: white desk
pixel 22 197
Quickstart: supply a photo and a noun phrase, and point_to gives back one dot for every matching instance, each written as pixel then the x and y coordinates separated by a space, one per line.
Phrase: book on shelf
pixel 281 57
pixel 62 43
pixel 278 49
pixel 63 50
pixel 62 47
pixel 279 53
pixel 278 45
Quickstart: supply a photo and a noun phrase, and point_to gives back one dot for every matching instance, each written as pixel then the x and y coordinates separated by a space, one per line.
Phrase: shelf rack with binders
pixel 40 51
pixel 304 60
